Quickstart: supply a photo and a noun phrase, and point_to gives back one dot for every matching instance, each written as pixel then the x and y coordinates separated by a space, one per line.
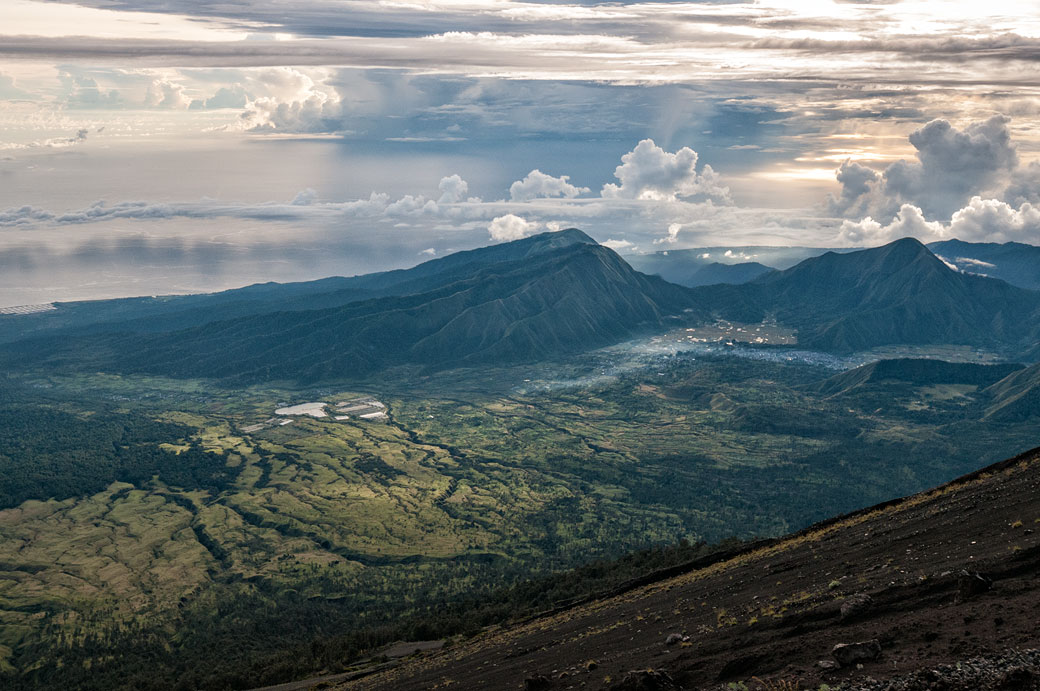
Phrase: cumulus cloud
pixel 511 227
pixel 304 197
pixel 1024 186
pixel 453 189
pixel 163 93
pixel 857 182
pixel 672 237
pixel 650 172
pixel 952 166
pixel 982 220
pixel 739 255
pixel 991 220
pixel 233 96
pixel 908 222
pixel 412 205
pixel 83 91
pixel 294 104
pixel 537 184
pixel 618 245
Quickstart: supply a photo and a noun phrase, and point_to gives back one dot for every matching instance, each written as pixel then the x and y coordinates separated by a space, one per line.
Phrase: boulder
pixel 856 605
pixel 646 680
pixel 849 654
pixel 538 682
pixel 970 584
pixel 1018 679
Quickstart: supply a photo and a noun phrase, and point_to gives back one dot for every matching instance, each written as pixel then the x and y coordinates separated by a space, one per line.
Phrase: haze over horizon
pixel 166 147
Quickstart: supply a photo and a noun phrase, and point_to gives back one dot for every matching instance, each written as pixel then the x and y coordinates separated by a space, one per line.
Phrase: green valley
pixel 297 546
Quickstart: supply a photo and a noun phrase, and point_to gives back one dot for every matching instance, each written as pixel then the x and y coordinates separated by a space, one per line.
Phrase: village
pixel 362 408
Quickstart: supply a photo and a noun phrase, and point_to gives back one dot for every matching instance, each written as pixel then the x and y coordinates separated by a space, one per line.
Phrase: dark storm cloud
pixel 952 166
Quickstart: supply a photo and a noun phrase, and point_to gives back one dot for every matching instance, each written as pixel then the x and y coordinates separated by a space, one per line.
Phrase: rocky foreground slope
pixel 940 590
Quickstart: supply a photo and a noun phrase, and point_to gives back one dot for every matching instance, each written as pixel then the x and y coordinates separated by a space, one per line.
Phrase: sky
pixel 152 147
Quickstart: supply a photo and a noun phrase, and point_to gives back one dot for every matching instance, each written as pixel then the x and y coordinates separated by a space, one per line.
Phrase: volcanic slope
pixel 900 293
pixel 172 312
pixel 917 372
pixel 572 298
pixel 1015 398
pixel 1014 262
pixel 775 610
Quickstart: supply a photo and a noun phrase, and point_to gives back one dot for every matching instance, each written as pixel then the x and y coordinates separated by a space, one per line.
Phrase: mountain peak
pixel 903 249
pixel 572 234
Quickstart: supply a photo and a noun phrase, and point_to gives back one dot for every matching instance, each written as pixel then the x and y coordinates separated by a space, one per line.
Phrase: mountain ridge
pixel 167 313
pixel 578 296
pixel 1017 263
pixel 899 293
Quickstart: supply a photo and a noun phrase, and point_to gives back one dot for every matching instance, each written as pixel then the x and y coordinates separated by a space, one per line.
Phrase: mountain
pixel 1014 262
pixel 1015 398
pixel 917 372
pixel 169 312
pixel 677 265
pixel 715 272
pixel 544 296
pixel 693 268
pixel 935 591
pixel 726 273
pixel 900 293
pixel 570 297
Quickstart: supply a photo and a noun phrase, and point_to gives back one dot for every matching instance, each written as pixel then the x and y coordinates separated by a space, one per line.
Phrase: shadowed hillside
pixel 898 293
pixel 574 297
pixel 918 372
pixel 1016 398
pixel 899 579
pixel 1014 262
pixel 170 312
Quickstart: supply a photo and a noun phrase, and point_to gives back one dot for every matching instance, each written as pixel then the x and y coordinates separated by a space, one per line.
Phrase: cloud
pixel 672 237
pixel 618 245
pixel 52 143
pixel 856 181
pixel 537 184
pixel 9 90
pixel 302 207
pixel 649 172
pixel 991 220
pixel 908 222
pixel 1024 186
pixel 163 93
pixel 952 166
pixel 412 205
pixel 294 104
pixel 304 197
pixel 233 96
pixel 83 91
pixel 453 189
pixel 974 262
pixel 982 220
pixel 511 227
